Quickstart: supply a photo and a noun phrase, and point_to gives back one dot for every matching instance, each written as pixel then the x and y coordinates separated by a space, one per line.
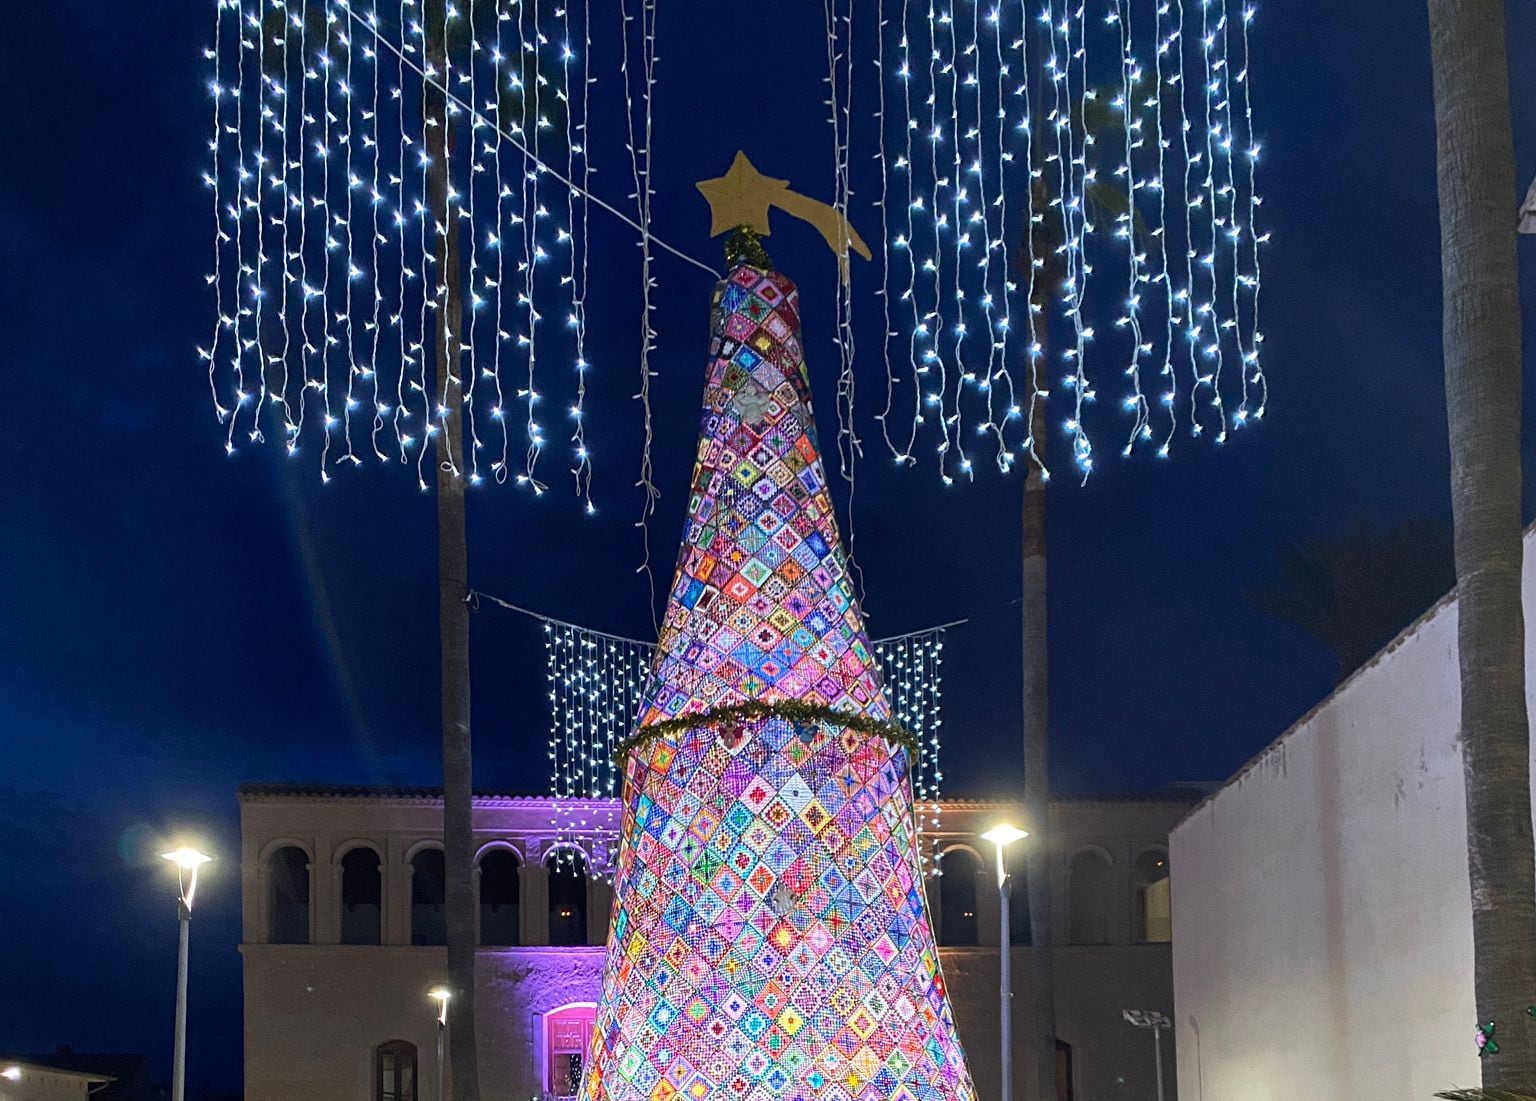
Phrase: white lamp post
pixel 1157 1022
pixel 1003 835
pixel 187 861
pixel 441 995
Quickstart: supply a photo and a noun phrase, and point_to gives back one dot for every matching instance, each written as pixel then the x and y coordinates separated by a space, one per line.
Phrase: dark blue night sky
pixel 174 622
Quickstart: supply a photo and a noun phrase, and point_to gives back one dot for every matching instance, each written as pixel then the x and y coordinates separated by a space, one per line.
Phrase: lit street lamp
pixel 187 862
pixel 440 995
pixel 1002 836
pixel 1157 1022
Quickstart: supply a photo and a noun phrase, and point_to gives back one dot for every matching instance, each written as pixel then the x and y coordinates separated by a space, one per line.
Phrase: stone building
pixel 343 926
pixel 1322 917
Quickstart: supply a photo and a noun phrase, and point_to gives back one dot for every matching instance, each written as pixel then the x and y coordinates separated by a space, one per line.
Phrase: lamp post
pixel 1157 1022
pixel 1003 835
pixel 440 995
pixel 187 861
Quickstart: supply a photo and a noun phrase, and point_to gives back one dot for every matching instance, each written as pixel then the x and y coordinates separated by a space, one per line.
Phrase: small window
pixel 361 894
pixel 957 898
pixel 429 925
pixel 394 1071
pixel 498 899
pixel 1064 1090
pixel 1154 910
pixel 288 896
pixel 567 897
pixel 1088 898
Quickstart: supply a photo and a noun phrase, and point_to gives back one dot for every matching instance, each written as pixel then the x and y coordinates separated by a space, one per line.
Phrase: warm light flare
pixel 187 859
pixel 1003 834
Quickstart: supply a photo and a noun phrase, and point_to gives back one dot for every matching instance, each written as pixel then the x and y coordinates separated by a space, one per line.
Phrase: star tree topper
pixel 743 195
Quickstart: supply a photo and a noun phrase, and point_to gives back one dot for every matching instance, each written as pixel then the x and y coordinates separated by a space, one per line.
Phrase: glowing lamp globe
pixel 187 859
pixel 1003 835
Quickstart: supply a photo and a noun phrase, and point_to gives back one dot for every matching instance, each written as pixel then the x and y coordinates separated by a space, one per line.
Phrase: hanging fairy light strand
pixel 596 682
pixel 1128 148
pixel 331 310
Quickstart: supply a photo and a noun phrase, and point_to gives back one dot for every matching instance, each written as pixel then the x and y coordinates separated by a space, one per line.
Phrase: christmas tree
pixel 770 935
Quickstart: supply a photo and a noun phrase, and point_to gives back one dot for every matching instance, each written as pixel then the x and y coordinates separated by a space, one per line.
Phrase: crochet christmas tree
pixel 770 934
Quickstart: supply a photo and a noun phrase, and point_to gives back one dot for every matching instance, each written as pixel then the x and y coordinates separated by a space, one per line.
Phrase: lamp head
pixel 11 1073
pixel 187 859
pixel 1004 834
pixel 441 995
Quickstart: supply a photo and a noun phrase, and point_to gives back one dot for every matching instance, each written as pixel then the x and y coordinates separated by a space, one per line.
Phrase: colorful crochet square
pixel 770 935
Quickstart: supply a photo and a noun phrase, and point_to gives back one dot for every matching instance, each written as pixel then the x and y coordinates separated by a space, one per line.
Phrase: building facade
pixel 1322 917
pixel 30 1081
pixel 343 931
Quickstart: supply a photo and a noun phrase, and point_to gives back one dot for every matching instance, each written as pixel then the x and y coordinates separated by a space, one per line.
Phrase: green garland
pixel 792 710
pixel 745 246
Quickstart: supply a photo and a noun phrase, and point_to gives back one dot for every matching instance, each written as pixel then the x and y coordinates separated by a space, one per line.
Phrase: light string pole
pixel 188 861
pixel 440 996
pixel 1158 1023
pixel 1002 835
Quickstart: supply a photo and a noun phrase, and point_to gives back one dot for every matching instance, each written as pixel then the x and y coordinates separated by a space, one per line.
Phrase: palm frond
pixel 1485 1095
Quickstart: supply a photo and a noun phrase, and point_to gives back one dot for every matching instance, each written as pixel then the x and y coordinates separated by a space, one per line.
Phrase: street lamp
pixel 187 861
pixel 1157 1022
pixel 441 995
pixel 1003 835
pixel 12 1074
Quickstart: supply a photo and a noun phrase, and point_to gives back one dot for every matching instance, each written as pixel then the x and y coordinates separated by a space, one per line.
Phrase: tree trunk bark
pixel 453 611
pixel 1483 387
pixel 1037 788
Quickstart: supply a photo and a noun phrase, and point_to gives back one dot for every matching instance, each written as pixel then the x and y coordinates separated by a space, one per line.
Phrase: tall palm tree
pixel 1037 789
pixel 452 590
pixel 1045 242
pixel 1482 388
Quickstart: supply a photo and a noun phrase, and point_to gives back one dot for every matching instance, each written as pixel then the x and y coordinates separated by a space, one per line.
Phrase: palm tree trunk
pixel 453 611
pixel 1037 789
pixel 1482 387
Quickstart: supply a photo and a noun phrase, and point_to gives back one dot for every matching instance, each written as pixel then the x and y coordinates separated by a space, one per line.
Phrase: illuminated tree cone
pixel 770 936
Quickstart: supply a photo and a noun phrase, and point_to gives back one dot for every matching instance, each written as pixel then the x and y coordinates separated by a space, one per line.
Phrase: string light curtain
pixel 1068 192
pixel 595 684
pixel 323 264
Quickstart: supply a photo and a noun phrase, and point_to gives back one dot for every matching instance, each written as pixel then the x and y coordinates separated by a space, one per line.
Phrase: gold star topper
pixel 743 195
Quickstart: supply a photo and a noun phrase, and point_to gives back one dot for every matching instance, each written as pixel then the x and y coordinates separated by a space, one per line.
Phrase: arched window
pixel 498 898
pixel 567 897
pixel 1154 909
pixel 567 1037
pixel 1088 898
pixel 1018 896
pixel 428 925
pixel 957 898
pixel 288 896
pixel 362 892
pixel 394 1071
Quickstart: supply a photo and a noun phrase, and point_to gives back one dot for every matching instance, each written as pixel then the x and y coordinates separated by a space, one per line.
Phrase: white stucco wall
pixel 1321 925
